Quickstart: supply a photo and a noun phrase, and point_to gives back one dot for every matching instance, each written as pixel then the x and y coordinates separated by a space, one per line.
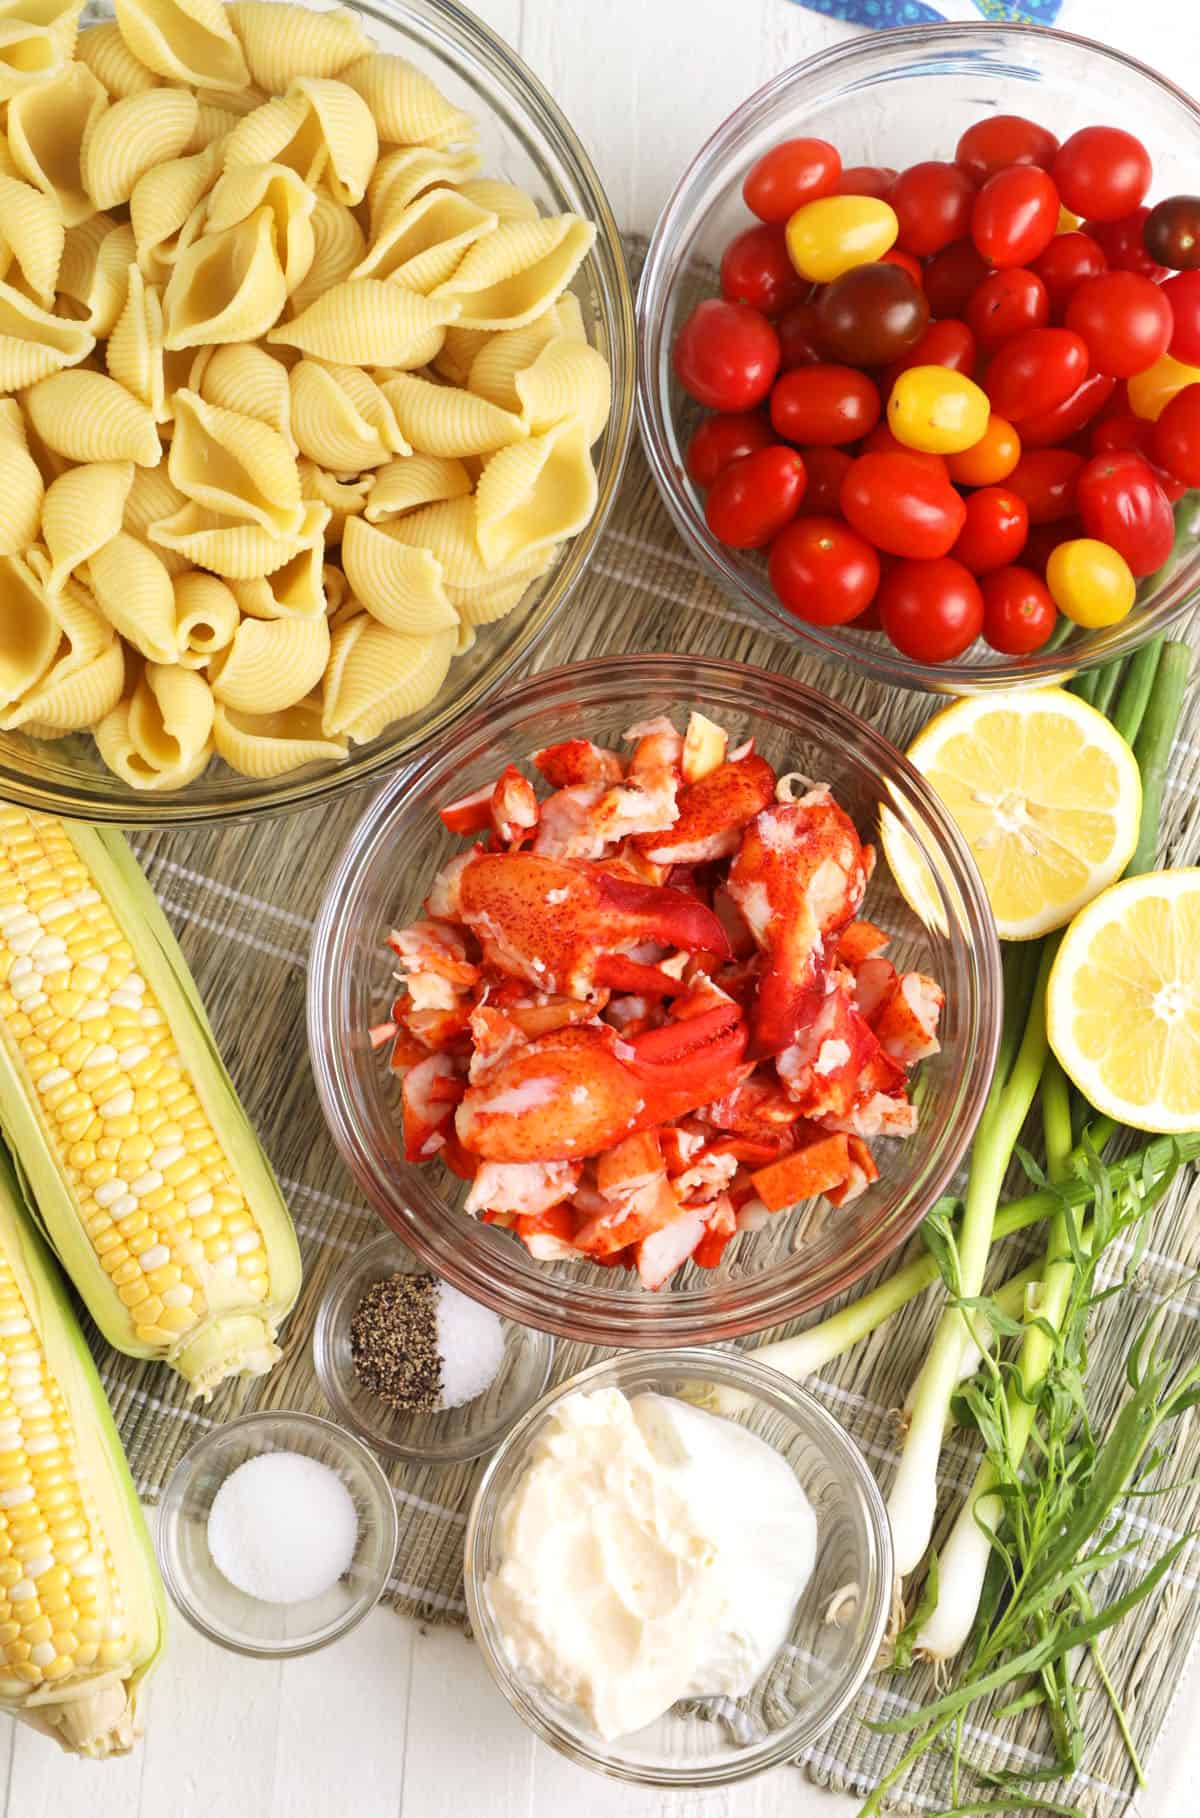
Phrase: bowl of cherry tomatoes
pixel 920 354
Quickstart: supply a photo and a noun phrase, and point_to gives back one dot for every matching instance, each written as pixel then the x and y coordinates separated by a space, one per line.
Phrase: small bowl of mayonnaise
pixel 672 1595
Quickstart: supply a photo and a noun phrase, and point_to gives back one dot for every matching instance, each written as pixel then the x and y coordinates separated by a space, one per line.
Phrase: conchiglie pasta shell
pixel 341 419
pixel 152 497
pixel 236 551
pixel 504 200
pixel 364 322
pixel 376 676
pixel 47 128
pixel 569 311
pixel 295 591
pixel 448 530
pixel 34 343
pixel 248 379
pixel 338 245
pixel 226 287
pixel 71 699
pixel 171 715
pixel 271 664
pixel 282 130
pixel 21 487
pixel 36 41
pixel 517 272
pixel 83 510
pixel 264 745
pixel 135 355
pixel 212 128
pixel 163 203
pixel 485 605
pixel 125 759
pixel 234 465
pixel 94 273
pixel 32 229
pixel 534 495
pixel 30 632
pixel 413 481
pixel 112 62
pixel 408 108
pixel 401 175
pixel 399 584
pixel 494 369
pixel 457 353
pixel 282 41
pixel 568 379
pixel 184 40
pixel 444 420
pixel 422 244
pixel 348 129
pixel 133 591
pixel 242 190
pixel 89 417
pixel 206 617
pixel 345 498
pixel 130 137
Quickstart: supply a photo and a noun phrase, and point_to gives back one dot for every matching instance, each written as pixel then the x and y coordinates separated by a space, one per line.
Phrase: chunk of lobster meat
pixel 713 813
pixel 588 820
pixel 798 879
pixel 858 942
pixel 630 1218
pixel 549 1236
pixel 437 1030
pixel 707 1176
pixel 629 1013
pixel 429 1095
pixel 704 747
pixel 407 1051
pixel 905 1021
pixel 494 1034
pixel 757 1107
pixel 819 1167
pixel 442 901
pixel 737 928
pixel 566 827
pixel 822 1069
pixel 680 1143
pixel 470 813
pixel 553 922
pixel 656 746
pixel 863 1173
pixel 574 761
pixel 663 1251
pixel 433 963
pixel 720 1228
pixel 543 1012
pixel 873 980
pixel 527 1188
pixel 631 1165
pixel 881 1106
pixel 514 806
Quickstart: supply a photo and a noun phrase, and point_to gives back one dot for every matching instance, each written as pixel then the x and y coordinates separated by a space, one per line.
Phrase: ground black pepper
pixel 394 1343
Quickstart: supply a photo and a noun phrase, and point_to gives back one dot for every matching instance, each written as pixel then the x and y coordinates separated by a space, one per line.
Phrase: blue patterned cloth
pixel 877 14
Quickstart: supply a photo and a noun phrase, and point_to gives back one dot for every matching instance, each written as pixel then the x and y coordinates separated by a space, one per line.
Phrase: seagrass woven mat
pixel 243 899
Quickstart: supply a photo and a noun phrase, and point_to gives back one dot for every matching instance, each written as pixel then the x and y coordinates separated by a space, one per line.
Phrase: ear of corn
pixel 82 1610
pixel 145 1173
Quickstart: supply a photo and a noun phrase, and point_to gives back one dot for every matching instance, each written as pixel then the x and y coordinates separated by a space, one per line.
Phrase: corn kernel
pixel 132 1293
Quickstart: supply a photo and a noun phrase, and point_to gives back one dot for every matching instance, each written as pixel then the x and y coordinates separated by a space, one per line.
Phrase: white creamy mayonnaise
pixel 648 1552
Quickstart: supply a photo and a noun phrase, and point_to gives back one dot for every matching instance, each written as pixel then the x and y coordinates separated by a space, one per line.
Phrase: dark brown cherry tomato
pixel 1005 304
pixel 903 506
pixel 1171 233
pixel 752 499
pixel 789 175
pixel 1035 371
pixel 931 610
pixel 1018 612
pixel 994 143
pixel 826 404
pixel 822 571
pixel 1047 427
pixel 933 203
pixel 1065 263
pixel 871 314
pixel 1183 294
pixel 1125 320
pixel 1044 539
pixel 947 343
pixel 1123 245
pixel 994 532
pixel 951 276
pixel 1015 215
pixel 726 355
pixel 826 469
pixel 1122 504
pixel 800 341
pixel 882 441
pixel 755 269
pixel 1177 436
pixel 906 262
pixel 1045 478
pixel 721 440
pixel 866 180
pixel 1101 172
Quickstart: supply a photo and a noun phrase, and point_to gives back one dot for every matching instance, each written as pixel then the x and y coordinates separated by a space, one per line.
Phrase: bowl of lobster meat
pixel 619 1015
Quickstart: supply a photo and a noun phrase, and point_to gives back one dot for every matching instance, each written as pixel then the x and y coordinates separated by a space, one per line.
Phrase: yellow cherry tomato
pixel 937 411
pixel 1151 391
pixel 836 233
pixel 1090 583
pixel 990 459
pixel 1067 222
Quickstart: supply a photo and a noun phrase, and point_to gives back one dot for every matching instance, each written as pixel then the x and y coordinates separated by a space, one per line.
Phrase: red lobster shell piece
pixel 712 814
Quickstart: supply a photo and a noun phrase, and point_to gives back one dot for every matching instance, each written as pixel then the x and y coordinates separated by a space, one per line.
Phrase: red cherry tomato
pixel 931 610
pixel 907 263
pixel 1065 263
pixel 1044 539
pixel 1035 371
pixel 951 276
pixel 1183 294
pixel 1045 478
pixel 947 343
pixel 1177 436
pixel 1018 612
pixel 1015 215
pixel 822 571
pixel 1047 427
pixel 882 441
pixel 902 505
pixel 1123 245
pixel 752 500
pixel 755 269
pixel 720 441
pixel 1125 320
pixel 1101 172
pixel 994 143
pixel 995 529
pixel 1122 504
pixel 789 175
pixel 1005 304
pixel 826 469
pixel 1172 232
pixel 726 355
pixel 933 203
pixel 1121 429
pixel 799 334
pixel 866 180
pixel 825 404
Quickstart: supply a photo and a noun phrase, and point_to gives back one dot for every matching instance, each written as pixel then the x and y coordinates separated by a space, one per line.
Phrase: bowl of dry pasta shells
pixel 316 377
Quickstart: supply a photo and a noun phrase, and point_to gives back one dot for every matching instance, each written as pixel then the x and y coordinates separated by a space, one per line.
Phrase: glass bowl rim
pixel 659 272
pixel 748 1306
pixel 463 1451
pixel 736 1370
pixel 167 1511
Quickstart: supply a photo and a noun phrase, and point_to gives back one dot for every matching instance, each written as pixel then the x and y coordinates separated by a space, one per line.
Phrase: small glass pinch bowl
pixel 450 1435
pixel 244 1624
pixel 838 1624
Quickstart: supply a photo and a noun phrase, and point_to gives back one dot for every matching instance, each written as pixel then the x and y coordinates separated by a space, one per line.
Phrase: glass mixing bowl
pixel 386 870
pixel 838 1622
pixel 894 98
pixel 524 138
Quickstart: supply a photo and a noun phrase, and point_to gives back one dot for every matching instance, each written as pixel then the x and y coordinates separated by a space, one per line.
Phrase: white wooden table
pixel 397 1722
